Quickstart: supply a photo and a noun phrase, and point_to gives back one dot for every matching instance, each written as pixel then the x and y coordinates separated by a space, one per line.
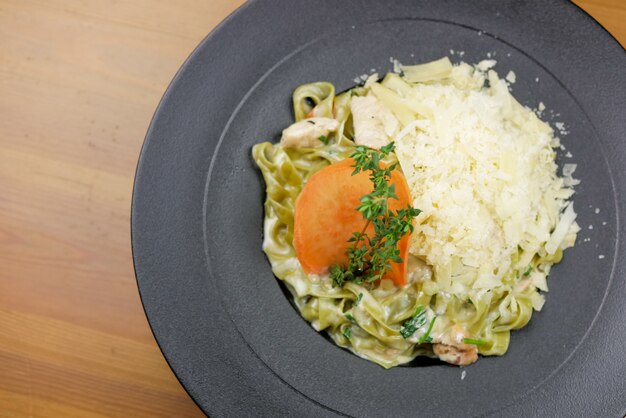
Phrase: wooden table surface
pixel 79 81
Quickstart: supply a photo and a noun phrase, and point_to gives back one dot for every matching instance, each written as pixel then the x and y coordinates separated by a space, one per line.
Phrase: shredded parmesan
pixel 482 169
pixel 510 77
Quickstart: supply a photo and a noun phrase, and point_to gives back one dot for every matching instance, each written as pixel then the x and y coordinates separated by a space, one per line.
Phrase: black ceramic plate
pixel 222 319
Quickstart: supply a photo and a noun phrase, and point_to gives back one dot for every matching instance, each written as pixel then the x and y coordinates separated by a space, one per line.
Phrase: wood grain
pixel 79 81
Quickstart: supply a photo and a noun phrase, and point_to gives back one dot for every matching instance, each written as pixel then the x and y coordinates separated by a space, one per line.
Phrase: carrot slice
pixel 326 217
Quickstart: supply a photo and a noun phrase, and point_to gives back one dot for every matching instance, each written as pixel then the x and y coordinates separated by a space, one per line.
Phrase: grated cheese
pixel 510 77
pixel 482 169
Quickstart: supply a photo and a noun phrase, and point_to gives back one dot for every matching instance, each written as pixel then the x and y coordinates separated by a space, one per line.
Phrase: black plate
pixel 220 316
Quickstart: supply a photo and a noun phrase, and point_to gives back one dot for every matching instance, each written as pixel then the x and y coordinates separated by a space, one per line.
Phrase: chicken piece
pixel 462 355
pixel 374 124
pixel 449 347
pixel 307 132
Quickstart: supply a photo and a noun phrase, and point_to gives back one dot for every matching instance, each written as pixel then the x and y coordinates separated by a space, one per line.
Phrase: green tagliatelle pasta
pixel 369 321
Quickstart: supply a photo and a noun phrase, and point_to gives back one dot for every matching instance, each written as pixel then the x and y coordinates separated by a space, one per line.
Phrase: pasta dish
pixel 418 214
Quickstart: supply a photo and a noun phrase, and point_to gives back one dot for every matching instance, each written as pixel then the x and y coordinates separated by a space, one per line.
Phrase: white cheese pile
pixel 482 169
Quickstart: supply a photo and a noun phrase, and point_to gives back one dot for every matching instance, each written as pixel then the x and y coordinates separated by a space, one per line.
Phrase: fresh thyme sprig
pixel 370 257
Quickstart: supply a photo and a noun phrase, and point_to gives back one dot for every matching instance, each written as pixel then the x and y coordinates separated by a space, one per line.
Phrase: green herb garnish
pixel 412 324
pixel 350 317
pixel 369 258
pixel 528 270
pixel 347 332
pixel 474 341
pixel 324 139
pixel 358 299
pixel 426 338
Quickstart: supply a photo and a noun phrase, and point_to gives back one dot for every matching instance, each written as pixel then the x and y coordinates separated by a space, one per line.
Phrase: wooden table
pixel 79 81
